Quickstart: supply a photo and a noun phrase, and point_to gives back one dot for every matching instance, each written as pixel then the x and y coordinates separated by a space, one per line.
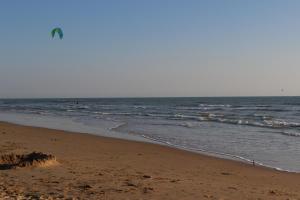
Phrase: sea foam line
pixel 218 154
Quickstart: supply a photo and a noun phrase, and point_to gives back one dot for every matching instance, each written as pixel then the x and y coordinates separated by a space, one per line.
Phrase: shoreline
pixel 148 140
pixel 158 143
pixel 141 138
pixel 119 169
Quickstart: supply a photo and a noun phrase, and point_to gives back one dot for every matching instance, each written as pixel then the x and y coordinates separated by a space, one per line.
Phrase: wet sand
pixel 93 167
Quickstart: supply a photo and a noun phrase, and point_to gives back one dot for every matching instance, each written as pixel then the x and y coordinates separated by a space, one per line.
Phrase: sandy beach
pixel 93 167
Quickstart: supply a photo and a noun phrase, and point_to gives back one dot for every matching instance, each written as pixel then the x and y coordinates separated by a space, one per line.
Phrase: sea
pixel 265 130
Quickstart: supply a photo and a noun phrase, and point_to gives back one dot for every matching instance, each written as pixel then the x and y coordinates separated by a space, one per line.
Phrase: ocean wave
pixel 266 121
pixel 210 115
pixel 102 113
pixel 158 115
pixel 115 113
pixel 187 125
pixel 183 124
pixel 262 116
pixel 118 126
pixel 290 134
pixel 263 121
pixel 255 108
pixel 82 107
pixel 281 124
pixel 140 107
pixel 183 117
pixel 215 105
pixel 204 107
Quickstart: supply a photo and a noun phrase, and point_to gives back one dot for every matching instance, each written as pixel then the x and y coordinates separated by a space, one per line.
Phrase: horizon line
pixel 143 97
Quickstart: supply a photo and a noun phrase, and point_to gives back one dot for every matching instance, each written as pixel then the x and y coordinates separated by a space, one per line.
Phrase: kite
pixel 58 31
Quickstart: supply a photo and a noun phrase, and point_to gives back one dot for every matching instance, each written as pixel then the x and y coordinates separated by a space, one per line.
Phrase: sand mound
pixel 34 159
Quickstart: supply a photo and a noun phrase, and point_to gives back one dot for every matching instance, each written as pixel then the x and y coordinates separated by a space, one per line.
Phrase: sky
pixel 143 48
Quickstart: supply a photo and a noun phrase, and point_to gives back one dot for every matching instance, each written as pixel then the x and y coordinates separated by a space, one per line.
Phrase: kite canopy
pixel 58 31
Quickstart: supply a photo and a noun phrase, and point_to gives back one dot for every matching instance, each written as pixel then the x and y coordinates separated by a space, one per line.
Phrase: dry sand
pixel 92 167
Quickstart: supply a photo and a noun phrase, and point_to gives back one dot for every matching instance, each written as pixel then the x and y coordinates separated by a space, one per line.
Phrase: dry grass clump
pixel 34 159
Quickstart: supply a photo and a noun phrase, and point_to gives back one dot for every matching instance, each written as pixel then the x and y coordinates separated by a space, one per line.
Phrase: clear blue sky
pixel 149 48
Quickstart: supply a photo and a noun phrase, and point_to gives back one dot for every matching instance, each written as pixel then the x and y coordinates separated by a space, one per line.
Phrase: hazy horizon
pixel 150 49
pixel 145 97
